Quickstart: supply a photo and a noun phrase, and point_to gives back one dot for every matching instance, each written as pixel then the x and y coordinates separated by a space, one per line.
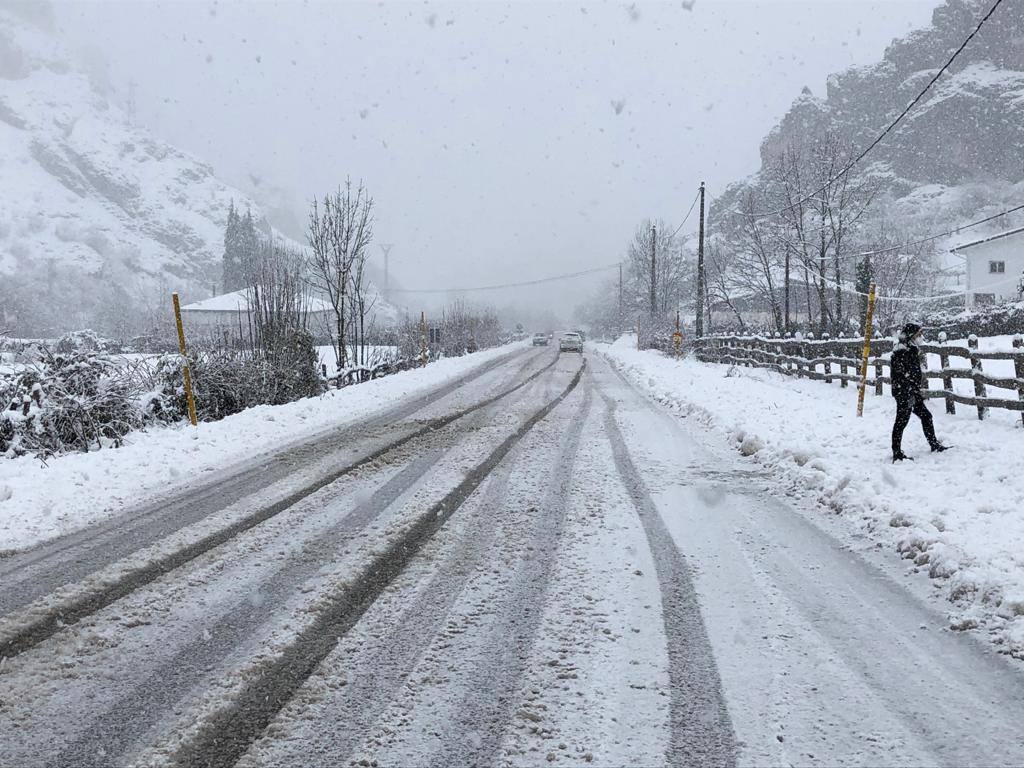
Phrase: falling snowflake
pixel 618 105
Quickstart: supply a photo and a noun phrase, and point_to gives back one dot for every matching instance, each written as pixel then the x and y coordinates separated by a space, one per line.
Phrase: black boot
pixel 939 448
pixel 900 456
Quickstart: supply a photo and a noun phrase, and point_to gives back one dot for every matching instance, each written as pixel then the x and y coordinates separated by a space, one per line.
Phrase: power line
pixel 879 251
pixel 525 283
pixel 947 233
pixel 849 166
pixel 694 203
pixel 910 299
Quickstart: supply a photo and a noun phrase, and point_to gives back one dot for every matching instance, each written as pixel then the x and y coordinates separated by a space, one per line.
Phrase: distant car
pixel 540 340
pixel 570 342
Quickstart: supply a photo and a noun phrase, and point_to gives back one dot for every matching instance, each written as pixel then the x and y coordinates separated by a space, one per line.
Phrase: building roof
pixel 989 239
pixel 238 301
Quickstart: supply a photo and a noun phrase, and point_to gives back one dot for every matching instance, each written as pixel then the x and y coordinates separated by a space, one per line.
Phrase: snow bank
pixel 40 501
pixel 957 516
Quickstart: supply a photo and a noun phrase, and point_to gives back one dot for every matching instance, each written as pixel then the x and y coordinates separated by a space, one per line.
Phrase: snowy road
pixel 537 566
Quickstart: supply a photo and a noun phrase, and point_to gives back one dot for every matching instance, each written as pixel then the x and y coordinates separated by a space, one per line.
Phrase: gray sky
pixel 502 141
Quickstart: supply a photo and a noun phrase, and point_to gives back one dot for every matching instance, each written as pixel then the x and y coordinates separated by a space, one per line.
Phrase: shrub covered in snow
pixel 1006 319
pixel 77 397
pixel 69 401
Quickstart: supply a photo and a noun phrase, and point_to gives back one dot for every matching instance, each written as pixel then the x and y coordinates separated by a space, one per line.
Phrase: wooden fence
pixel 839 360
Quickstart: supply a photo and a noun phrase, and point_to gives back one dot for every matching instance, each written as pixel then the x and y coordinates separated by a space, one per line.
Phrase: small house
pixel 995 268
pixel 227 315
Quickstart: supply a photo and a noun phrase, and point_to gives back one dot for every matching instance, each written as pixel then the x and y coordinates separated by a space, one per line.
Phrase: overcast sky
pixel 502 141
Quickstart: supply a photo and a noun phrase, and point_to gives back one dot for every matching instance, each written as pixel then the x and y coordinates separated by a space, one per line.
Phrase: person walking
pixel 907 384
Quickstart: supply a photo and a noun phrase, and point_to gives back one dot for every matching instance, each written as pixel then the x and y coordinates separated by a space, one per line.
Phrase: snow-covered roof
pixel 989 239
pixel 238 301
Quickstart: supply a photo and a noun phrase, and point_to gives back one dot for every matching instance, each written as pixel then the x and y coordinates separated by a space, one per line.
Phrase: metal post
pixel 701 287
pixel 184 357
pixel 423 338
pixel 867 350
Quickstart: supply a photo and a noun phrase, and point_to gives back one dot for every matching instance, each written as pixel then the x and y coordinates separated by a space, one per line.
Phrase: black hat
pixel 910 330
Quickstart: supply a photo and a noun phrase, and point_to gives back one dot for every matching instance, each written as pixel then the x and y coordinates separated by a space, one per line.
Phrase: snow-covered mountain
pixel 93 210
pixel 959 154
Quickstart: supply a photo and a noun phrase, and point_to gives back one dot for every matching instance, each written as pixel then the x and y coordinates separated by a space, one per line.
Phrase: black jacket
pixel 905 367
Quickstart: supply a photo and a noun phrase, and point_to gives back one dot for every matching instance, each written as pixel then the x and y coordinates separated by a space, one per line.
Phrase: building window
pixel 984 299
pixel 996 267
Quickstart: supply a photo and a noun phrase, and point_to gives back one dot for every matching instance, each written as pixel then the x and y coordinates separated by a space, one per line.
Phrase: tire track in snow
pixel 384 667
pixel 226 736
pixel 486 710
pixel 701 730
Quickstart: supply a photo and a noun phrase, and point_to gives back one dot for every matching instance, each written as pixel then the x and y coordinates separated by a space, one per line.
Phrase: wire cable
pixel 908 299
pixel 695 199
pixel 878 139
pixel 525 283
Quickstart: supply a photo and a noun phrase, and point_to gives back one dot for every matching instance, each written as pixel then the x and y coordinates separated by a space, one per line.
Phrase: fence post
pixel 1018 369
pixel 979 385
pixel 947 381
pixel 828 363
pixel 867 350
pixel 841 347
pixel 187 373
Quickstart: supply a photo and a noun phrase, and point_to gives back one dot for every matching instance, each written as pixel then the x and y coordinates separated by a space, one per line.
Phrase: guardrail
pixel 838 360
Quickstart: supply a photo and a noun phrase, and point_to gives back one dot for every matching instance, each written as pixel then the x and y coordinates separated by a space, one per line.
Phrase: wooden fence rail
pixel 803 358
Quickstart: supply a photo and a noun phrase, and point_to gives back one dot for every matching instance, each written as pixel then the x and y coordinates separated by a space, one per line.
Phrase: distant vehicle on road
pixel 582 335
pixel 540 340
pixel 570 342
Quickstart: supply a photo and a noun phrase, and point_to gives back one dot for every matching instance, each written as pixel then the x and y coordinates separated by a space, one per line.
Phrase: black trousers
pixel 912 404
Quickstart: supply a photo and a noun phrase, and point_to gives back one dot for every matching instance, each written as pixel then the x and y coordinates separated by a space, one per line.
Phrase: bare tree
pixel 340 230
pixel 820 230
pixel 361 305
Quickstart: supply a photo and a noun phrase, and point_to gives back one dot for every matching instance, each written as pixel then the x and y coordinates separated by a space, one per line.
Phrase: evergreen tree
pixel 249 243
pixel 865 276
pixel 231 277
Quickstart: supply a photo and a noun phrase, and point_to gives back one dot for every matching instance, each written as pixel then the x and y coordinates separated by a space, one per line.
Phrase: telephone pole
pixel 620 299
pixel 653 272
pixel 386 247
pixel 701 288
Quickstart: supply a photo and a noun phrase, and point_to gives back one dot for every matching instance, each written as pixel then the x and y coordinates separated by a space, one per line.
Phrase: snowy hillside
pixel 956 157
pixel 92 207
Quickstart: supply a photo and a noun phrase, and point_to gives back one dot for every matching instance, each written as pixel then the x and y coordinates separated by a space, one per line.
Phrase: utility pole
pixel 653 272
pixel 131 101
pixel 700 269
pixel 620 299
pixel 386 247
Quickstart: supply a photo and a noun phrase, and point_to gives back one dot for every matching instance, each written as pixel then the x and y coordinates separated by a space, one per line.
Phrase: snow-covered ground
pixel 39 501
pixel 956 515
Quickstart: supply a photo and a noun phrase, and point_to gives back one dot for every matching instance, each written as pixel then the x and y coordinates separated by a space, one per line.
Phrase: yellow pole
pixel 423 338
pixel 188 374
pixel 867 350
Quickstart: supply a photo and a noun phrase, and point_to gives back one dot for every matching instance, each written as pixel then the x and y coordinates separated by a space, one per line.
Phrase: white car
pixel 570 342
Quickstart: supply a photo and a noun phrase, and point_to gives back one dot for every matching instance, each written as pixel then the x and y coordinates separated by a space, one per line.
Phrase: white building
pixel 995 268
pixel 229 314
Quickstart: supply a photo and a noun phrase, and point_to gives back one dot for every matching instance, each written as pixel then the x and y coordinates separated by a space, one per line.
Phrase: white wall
pixel 1008 249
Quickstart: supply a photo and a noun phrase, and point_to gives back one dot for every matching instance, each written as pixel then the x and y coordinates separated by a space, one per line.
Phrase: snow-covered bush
pixel 228 381
pixel 1005 319
pixel 73 401
pixel 76 397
